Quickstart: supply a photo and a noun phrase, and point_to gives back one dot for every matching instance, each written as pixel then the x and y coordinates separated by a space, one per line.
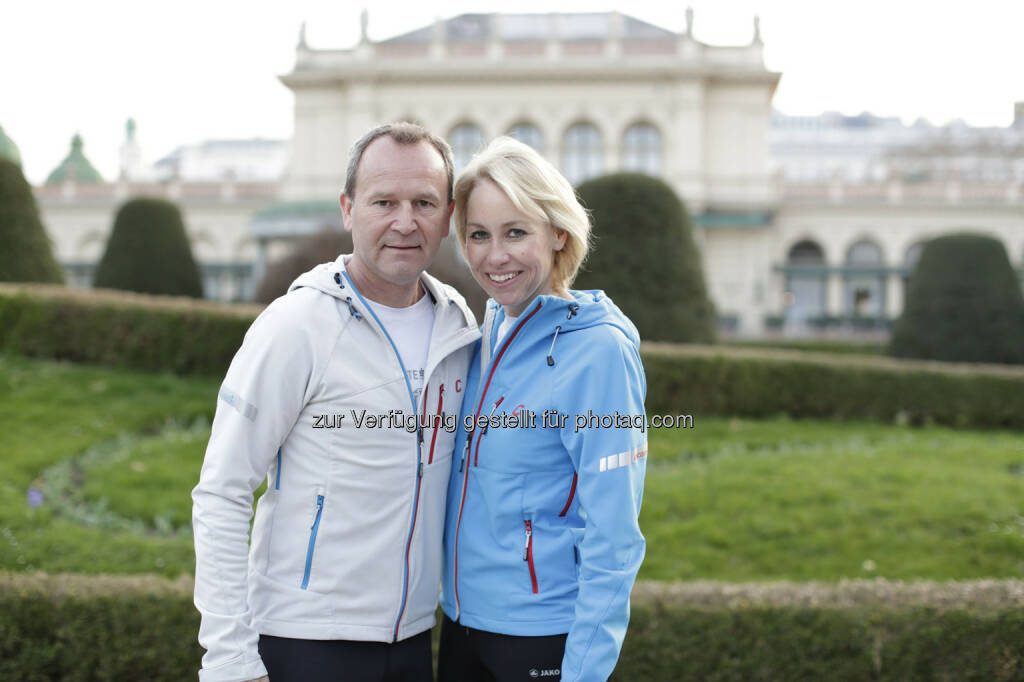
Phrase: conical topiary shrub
pixel 645 258
pixel 25 250
pixel 148 252
pixel 964 304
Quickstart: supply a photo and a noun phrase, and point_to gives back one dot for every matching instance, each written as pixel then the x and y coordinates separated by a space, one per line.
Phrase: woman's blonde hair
pixel 535 188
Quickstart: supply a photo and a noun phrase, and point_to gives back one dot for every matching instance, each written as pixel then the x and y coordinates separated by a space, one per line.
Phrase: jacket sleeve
pixel 610 465
pixel 263 393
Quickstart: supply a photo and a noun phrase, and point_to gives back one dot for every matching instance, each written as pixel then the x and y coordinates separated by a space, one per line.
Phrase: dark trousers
pixel 311 660
pixel 469 655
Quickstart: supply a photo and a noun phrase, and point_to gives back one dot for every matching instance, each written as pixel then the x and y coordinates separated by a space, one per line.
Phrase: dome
pixel 75 166
pixel 8 150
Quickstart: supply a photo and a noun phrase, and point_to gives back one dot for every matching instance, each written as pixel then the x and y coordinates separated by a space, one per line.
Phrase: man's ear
pixel 346 211
pixel 448 222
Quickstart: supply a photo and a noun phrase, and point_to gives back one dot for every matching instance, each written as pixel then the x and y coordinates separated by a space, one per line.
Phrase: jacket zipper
pixel 528 555
pixel 469 443
pixel 572 493
pixel 437 422
pixel 312 540
pixel 483 432
pixel 419 457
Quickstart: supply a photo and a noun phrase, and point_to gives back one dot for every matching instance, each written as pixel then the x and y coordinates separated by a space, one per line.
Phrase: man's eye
pixel 424 203
pixel 382 202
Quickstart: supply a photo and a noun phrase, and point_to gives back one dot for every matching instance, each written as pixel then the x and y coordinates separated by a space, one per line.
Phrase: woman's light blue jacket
pixel 541 535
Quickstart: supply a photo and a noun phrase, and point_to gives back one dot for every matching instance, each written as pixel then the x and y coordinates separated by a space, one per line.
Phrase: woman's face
pixel 511 255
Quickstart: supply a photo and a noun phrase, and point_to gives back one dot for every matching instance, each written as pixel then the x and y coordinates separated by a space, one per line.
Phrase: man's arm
pixel 262 396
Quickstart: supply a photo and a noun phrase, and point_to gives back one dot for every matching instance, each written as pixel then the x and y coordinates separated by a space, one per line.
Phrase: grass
pixel 116 453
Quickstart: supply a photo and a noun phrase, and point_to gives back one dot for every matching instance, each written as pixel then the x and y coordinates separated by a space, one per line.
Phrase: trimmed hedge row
pixel 118 329
pixel 189 337
pixel 762 383
pixel 144 628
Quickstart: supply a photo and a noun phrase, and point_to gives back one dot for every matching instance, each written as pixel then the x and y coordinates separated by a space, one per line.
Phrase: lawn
pixel 114 454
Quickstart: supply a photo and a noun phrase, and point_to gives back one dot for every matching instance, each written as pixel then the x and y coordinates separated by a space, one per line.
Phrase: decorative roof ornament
pixel 757 30
pixel 364 23
pixel 689 20
pixel 302 36
pixel 9 150
pixel 75 166
pixel 129 131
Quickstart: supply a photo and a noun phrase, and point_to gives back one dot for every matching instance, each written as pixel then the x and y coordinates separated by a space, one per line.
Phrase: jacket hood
pixel 328 278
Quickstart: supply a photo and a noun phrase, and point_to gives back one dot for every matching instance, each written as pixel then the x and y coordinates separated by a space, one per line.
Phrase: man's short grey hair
pixel 401 132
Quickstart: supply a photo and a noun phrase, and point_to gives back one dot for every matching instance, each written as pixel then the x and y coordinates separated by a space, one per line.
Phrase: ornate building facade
pixel 799 232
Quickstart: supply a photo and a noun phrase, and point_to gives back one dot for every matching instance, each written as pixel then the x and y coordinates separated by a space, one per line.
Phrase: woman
pixel 542 543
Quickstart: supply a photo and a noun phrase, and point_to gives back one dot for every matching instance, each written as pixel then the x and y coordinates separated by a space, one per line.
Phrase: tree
pixel 148 252
pixel 645 258
pixel 329 244
pixel 964 304
pixel 26 254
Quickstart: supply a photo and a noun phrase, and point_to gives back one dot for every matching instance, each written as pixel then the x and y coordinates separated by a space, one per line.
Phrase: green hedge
pixel 184 336
pixel 116 329
pixel 144 628
pixel 761 383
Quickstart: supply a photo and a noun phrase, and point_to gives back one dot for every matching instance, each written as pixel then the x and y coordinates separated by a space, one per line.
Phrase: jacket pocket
pixel 312 540
pixel 528 555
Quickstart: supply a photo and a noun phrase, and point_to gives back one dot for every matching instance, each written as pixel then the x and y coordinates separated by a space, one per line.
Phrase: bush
pixel 327 246
pixel 763 383
pixel 194 337
pixel 148 252
pixel 26 254
pixel 964 304
pixel 307 254
pixel 645 258
pixel 122 330
pixel 70 627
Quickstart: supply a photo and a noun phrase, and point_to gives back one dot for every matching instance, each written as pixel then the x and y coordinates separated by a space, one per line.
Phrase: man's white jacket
pixel 346 543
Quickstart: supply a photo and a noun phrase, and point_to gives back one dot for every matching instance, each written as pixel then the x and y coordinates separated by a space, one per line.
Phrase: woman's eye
pixel 478 235
pixel 516 233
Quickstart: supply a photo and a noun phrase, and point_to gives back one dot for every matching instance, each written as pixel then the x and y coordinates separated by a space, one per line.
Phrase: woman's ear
pixel 560 237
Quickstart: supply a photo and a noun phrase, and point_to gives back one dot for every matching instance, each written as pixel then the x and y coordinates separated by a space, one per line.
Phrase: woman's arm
pixel 610 463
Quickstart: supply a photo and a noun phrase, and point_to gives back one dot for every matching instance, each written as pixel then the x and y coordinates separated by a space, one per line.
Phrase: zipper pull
pixel 526 547
pixel 420 430
pixel 419 471
pixel 319 508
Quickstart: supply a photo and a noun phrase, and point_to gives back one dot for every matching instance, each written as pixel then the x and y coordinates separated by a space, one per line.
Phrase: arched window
pixel 805 282
pixel 641 149
pixel 466 140
pixel 582 153
pixel 864 281
pixel 527 133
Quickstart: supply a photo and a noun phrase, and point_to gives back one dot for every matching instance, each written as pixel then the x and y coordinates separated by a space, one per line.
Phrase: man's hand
pixel 265 678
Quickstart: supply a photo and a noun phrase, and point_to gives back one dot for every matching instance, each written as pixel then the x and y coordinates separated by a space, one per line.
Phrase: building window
pixel 804 296
pixel 466 140
pixel 641 149
pixel 864 281
pixel 529 134
pixel 582 153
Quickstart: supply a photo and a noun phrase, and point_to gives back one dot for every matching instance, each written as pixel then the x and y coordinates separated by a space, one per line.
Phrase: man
pixel 338 397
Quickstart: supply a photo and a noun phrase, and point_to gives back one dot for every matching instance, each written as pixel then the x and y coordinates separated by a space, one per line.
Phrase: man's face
pixel 397 218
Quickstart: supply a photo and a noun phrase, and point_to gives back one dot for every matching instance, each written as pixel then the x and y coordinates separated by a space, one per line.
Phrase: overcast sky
pixel 199 69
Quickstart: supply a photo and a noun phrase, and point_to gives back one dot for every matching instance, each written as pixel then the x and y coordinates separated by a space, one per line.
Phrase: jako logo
pixel 545 673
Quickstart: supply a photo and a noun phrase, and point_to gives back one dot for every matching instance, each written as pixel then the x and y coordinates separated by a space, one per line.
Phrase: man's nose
pixel 405 220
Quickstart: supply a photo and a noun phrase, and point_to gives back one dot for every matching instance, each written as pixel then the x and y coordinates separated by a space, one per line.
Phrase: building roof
pixel 8 150
pixel 75 166
pixel 530 27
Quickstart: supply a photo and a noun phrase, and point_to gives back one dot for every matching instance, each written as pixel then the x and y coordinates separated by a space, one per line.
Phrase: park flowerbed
pixel 74 627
